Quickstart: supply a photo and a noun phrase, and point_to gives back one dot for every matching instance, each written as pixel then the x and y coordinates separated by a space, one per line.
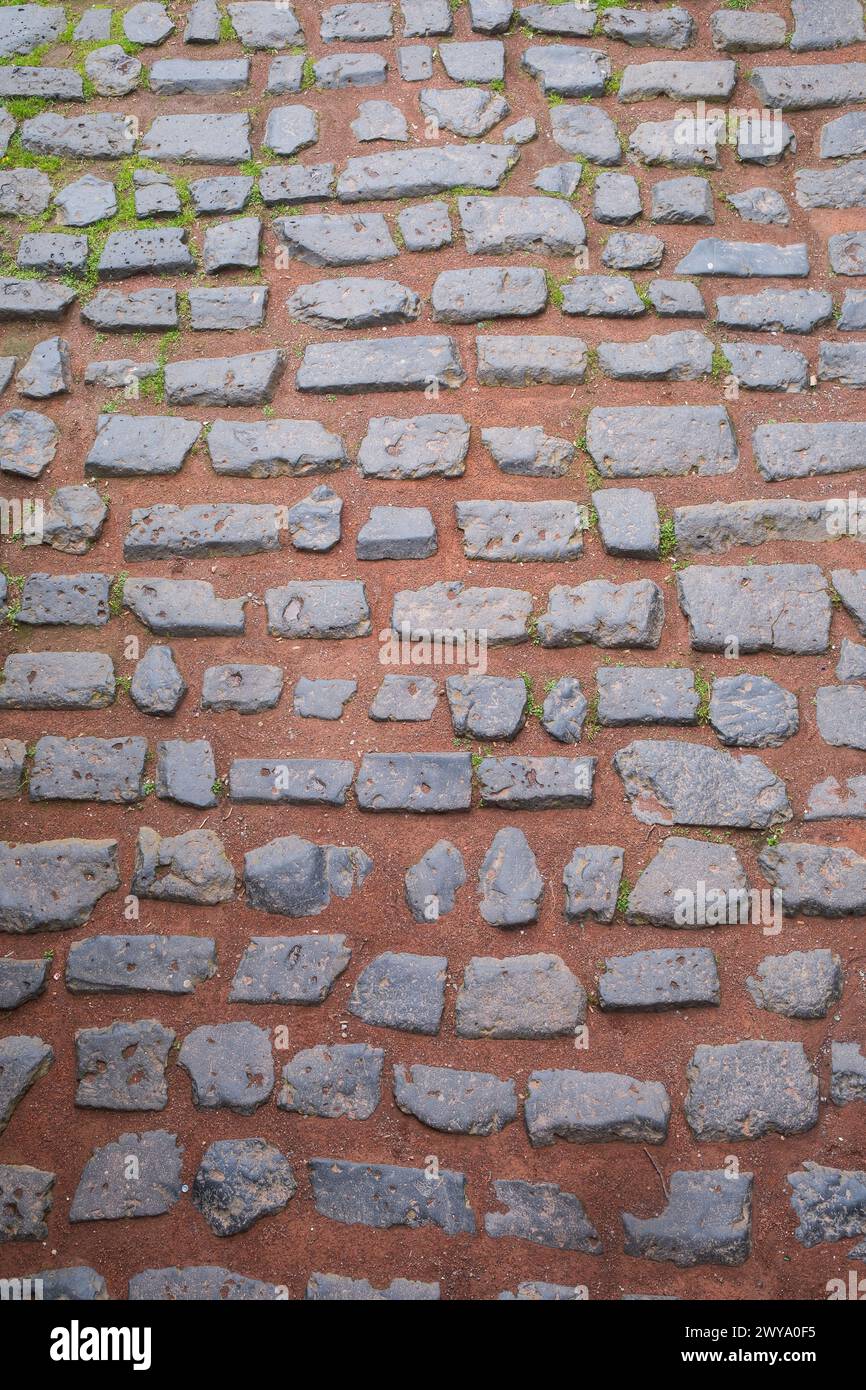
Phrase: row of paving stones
pixel 30 27
pixel 54 885
pixel 731 1092
pixel 707 1218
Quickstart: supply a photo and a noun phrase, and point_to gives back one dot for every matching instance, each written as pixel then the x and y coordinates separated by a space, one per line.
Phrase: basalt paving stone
pixel 761 205
pixel 674 782
pixel 609 296
pixel 848 1073
pixel 296 878
pixel 530 784
pixel 672 143
pixel 221 194
pixel 33 299
pixel 521 531
pixel 752 711
pixel 13 756
pixel 543 1214
pixel 383 1196
pixel 322 699
pixel 829 1203
pixel 380 120
pixel 431 884
pixel 606 614
pixel 401 991
pixel 188 868
pixel 819 880
pixel 509 883
pixel 230 1065
pixel 658 980
pixel 122 1067
pixel 616 199
pixel 57 680
pixel 333 1082
pixel 338 1288
pixel 785 451
pixel 850 585
pixel 632 251
pixel 104 1192
pixel 420 172
pixel 567 70
pixel 397 533
pixel 319 609
pixel 85 201
pixel 366 364
pixel 198 1282
pixel 486 706
pixel 564 710
pixel 75 600
pixel 469 112
pixel 779 608
pixel 28 443
pixel 350 70
pixel 52 885
pixel 232 245
pixel 76 1283
pixel 591 879
pixel 683 356
pixel 246 689
pixel 718 526
pixel 853 316
pixel 503 614
pixel 138 445
pixel 707 1220
pixel 87 769
pixel 415 62
pixel 240 1181
pixel 354 302
pixel 561 179
pixel 455 1102
pixel 183 608
pixel 202 139
pixel 536 1290
pixel 502 226
pixel 149 310
pixel 748 1090
pixel 482 60
pixel 712 256
pixel 852 661
pixel 227 310
pixel 470 296
pixel 274 448
pixel 26 27
pixel 841 710
pixel 23 1060
pixel 684 869
pixel 21 981
pixel 186 772
pixel 418 447
pixel 802 984
pixel 425 227
pixel 529 996
pixel 401 698
pixel 259 24
pixel 127 964
pixel 26 1198
pixel 227 528
pixel 157 685
pixel 56 253
pixel 289 969
pixel 651 441
pixel 628 522
pixel 314 523
pixel 760 367
pixel 159 251
pixel 249 379
pixel 828 800
pixel 588 1107
pixel 646 695
pixel 295 781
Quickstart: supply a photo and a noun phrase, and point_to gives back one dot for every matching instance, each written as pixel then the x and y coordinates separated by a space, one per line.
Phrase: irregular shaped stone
pixel 430 885
pixel 249 379
pixel 628 522
pixel 124 964
pixel 591 880
pixel 247 689
pixel 564 710
pixel 610 296
pixel 240 1181
pixel 829 801
pixel 672 298
pixel 653 981
pixel 53 253
pixel 762 205
pixel 586 131
pixel 711 256
pixel 73 600
pixel 847 253
pixel 383 1196
pixel 337 1288
pixel 840 714
pixel 561 179
pixel 23 1060
pixel 683 356
pixel 314 522
pixel 606 614
pixel 502 226
pixel 188 868
pixel 186 772
pixel 322 699
pixel 752 711
pixel 850 585
pixel 115 73
pixel 33 300
pixel 528 451
pixel 588 1107
pixel 122 1067
pixel 147 23
pixel 354 302
pixel 672 782
pixel 681 886
pixel 536 783
pixel 322 608
pixel 274 448
pixel 536 360
pixel 25 1200
pixel 425 227
pixel 223 528
pixel 543 1214
pixel 521 531
pixel 486 706
pixel 419 447
pixel 183 608
pixel 369 364
pixel 847 1064
pixel 783 608
pixel 380 120
pixel 289 969
pixel 843 137
pixel 207 139
pixel 221 193
pixel 333 1082
pixel 40 83
pixel 646 695
pixel 13 756
pixel 57 680
pixel 86 200
pixel 852 661
pixel 157 684
pixel 230 1065
pixel 415 62
pixel 567 70
pixel 853 316
pixel 672 28
pixel 829 1203
pixel 467 111
pixel 707 1220
pixel 837 24
pixel 818 880
pixel 397 533
pixel 21 981
pixel 681 144
pixel 509 883
pixel 202 26
pixel 401 991
pixel 196 1283
pixel 802 984
pixel 104 1192
pixel 632 251
pixel 842 362
pixel 143 310
pixel 455 1102
pixel 452 608
pixel 616 199
pixel 232 245
pixel 422 171
pixel 534 997
pixel 295 878
pixel 687 200
pixel 87 769
pixel 747 1090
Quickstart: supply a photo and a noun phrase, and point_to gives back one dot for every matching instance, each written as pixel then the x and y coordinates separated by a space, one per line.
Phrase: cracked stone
pixel 122 1067
pixel 753 711
pixel 673 782
pixel 486 706
pixel 289 969
pixel 816 880
pixel 295 878
pixel 781 608
pixel 829 1203
pixel 188 868
pixel 401 991
pixel 230 1065
pixel 104 1192
pixel 707 1220
pixel 747 1090
pixel 802 984
pixel 241 1180
pixel 466 111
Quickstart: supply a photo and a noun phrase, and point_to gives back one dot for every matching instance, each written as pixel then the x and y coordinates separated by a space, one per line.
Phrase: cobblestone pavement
pixel 434 679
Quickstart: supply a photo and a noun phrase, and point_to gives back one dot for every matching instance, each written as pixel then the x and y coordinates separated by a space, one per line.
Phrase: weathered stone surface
pixel 646 695
pixel 223 528
pixel 425 227
pixel 543 1214
pixel 708 1220
pixel 21 981
pixel 752 711
pixel 354 302
pixel 561 179
pixel 274 448
pixel 829 1203
pixel 486 706
pixel 356 23
pixel 401 991
pixel 650 441
pixel 587 131
pixel 41 83
pixel 226 193
pixel 240 1181
pixel 404 698
pixel 466 111
pixel 314 523
pixel 716 527
pixel 836 24
pixel 60 600
pixel 711 256
pixel 683 356
pixel 104 1192
pixel 802 984
pixel 782 608
pixel 841 710
pixel 57 680
pixel 430 885
pixel 674 143
pixel 188 868
pixel 151 251
pixel 247 689
pixel 383 1196
pixel 829 801
pixel 610 296
pixel 850 585
pixel 149 310
pixel 415 62
pixel 673 782
pixel 591 880
pixel 455 1102
pixel 806 86
pixel 186 772
pixel 51 885
pixel 23 1060
pixel 684 200
pixel 114 72
pixel 28 442
pixel 655 980
pixel 13 756
pixel 122 1067
pixel 736 32
pixel 337 1288
pixel 468 296
pixel 87 769
pixel 33 299
pixel 232 245
pixel 183 608
pixel 628 522
pixel 202 26
pixel 535 1290
pixel 105 135
pixel 536 360
pixel 534 996
pixel 199 139
pixel 536 783
pixel 606 614
pixel 843 137
pixel 847 1068
pixel 25 1200
pixel 528 451
pixel 260 24
pixel 157 684
pixel 322 608
pixel 295 781
pixel 369 364
pixel 26 27
pixel 632 251
pixel 587 1107
pixel 818 880
pixel 230 1065
pixel 423 17
pixel 847 253
pixel 350 70
pixel 502 614
pixel 54 253
pixel 422 171
pixel 196 1283
pixel 480 61
pixel 681 79
pixel 414 448
pixel 567 70
pixel 564 710
pixel 74 1284
pixel 682 876
pixel 521 531
pixel 785 451
pixel 296 878
pixel 249 379
pixel 747 1090
pixel 333 1082
pixel 852 319
pixel 86 200
pixel 762 205
pixel 147 23
pixel 228 310
pixel 502 226
pixel 842 362
pixel 509 883
pixel 397 533
pixel 23 193
pixel 672 28
pixel 322 699
pixel 289 969
pixel 125 964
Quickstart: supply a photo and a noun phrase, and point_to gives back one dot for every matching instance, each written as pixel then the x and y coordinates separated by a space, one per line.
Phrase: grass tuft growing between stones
pixel 702 686
pixel 532 705
pixel 115 594
pixel 623 896
pixel 667 538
